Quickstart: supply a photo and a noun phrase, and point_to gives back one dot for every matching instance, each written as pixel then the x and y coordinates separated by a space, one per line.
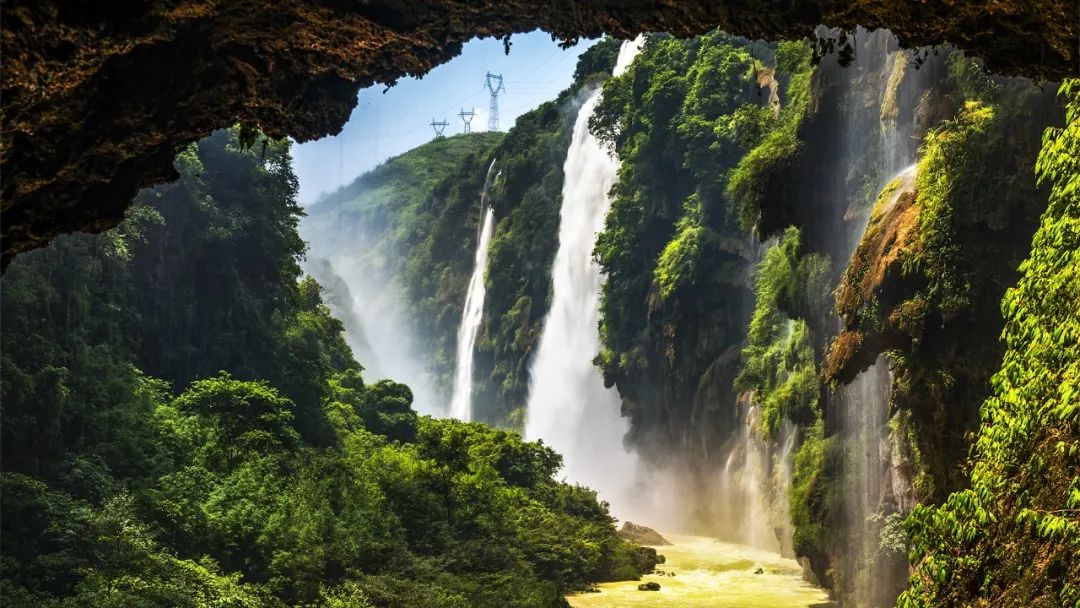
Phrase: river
pixel 701 572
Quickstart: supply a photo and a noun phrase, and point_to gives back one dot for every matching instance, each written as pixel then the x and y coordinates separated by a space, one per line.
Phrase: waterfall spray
pixel 471 315
pixel 569 407
pixel 745 485
pixel 864 411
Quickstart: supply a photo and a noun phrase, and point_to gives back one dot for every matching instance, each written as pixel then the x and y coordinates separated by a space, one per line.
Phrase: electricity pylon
pixel 493 109
pixel 466 117
pixel 439 127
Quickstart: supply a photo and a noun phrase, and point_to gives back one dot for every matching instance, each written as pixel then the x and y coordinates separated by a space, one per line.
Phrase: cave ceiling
pixel 97 97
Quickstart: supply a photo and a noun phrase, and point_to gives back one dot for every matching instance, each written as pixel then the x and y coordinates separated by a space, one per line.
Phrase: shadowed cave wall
pixel 98 97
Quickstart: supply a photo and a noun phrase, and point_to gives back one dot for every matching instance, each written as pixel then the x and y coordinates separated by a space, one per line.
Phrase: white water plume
pixel 782 476
pixel 473 312
pixel 863 406
pixel 569 408
pixel 864 414
pixel 375 315
pixel 751 491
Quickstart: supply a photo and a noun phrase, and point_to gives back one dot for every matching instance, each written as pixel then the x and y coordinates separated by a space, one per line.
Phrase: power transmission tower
pixel 439 127
pixel 466 117
pixel 493 110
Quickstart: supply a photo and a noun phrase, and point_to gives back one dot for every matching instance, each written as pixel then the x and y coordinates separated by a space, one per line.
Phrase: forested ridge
pixel 184 425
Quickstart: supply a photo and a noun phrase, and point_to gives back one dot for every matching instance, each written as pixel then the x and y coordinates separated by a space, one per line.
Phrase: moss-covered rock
pixel 940 248
pixel 1013 538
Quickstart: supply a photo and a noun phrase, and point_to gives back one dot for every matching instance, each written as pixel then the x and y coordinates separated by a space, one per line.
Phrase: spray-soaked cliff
pixel 906 186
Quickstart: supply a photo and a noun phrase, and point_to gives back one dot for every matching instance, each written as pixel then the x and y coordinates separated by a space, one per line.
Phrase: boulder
pixel 641 535
pixel 649 586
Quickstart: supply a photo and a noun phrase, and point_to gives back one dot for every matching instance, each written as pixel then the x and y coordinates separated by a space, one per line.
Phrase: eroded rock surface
pixel 98 97
pixel 642 535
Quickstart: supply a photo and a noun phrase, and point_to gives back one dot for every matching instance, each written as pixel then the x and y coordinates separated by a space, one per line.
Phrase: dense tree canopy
pixel 184 425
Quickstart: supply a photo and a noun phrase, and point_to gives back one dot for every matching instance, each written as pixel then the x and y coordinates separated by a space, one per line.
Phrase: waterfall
pixel 755 476
pixel 864 416
pixel 860 411
pixel 569 408
pixel 746 496
pixel 783 473
pixel 471 315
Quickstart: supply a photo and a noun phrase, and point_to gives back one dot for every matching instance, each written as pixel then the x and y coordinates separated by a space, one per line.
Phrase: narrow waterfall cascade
pixel 782 474
pixel 867 489
pixel 870 488
pixel 569 408
pixel 472 314
pixel 862 407
pixel 744 487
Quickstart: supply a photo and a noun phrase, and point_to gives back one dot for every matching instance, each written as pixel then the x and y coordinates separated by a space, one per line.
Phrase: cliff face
pixel 942 246
pixel 918 270
pixel 97 97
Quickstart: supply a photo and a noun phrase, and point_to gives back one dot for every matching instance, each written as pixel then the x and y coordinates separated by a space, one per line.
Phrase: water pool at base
pixel 702 571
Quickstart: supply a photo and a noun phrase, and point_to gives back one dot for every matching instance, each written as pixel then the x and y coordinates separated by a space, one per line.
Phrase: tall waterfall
pixel 745 507
pixel 461 401
pixel 861 409
pixel 569 408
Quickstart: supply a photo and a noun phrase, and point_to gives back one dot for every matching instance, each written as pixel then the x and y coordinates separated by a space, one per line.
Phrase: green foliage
pixel 944 155
pixel 681 117
pixel 813 491
pixel 56 546
pixel 966 183
pixel 748 185
pixel 779 365
pixel 1014 537
pixel 597 60
pixel 677 265
pixel 283 479
pixel 245 416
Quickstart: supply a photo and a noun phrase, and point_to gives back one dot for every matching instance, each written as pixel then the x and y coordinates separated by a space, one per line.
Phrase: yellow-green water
pixel 711 573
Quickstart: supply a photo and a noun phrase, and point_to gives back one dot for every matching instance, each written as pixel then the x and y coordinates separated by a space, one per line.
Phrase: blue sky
pixel 387 124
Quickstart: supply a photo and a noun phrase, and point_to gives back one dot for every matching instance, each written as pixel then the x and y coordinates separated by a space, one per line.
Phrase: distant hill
pixel 406 175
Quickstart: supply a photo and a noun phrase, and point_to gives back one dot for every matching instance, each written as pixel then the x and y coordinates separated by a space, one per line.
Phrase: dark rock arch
pixel 97 97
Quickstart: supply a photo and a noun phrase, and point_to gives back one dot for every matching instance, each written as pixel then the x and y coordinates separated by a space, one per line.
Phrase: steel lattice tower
pixel 493 109
pixel 466 117
pixel 439 127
